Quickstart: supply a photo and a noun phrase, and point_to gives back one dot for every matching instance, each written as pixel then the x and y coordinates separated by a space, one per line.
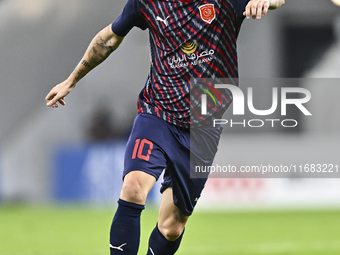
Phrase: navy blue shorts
pixel 155 146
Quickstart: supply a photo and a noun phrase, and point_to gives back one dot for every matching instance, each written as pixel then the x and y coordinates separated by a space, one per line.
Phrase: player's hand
pixel 58 93
pixel 259 8
pixel 256 9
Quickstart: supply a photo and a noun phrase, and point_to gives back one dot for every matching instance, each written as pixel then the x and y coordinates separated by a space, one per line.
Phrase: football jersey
pixel 191 41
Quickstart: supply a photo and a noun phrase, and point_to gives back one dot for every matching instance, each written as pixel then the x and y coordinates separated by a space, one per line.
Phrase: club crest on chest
pixel 207 12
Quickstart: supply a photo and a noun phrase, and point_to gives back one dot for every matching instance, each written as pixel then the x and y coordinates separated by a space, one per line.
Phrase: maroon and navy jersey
pixel 190 41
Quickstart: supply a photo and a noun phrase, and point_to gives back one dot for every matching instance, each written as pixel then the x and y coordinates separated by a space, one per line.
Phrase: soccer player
pixel 189 39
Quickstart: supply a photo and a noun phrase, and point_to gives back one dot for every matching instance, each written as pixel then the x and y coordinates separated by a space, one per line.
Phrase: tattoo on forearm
pixel 100 51
pixel 96 54
pixel 85 63
pixel 75 70
pixel 78 73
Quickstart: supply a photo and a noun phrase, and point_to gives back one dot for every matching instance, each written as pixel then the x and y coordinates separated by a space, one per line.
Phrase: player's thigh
pixel 136 187
pixel 171 221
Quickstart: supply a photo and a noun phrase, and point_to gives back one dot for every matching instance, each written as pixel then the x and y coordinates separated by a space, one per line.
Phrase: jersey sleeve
pixel 129 18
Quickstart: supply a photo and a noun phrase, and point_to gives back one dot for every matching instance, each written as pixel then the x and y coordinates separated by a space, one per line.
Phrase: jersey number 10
pixel 139 146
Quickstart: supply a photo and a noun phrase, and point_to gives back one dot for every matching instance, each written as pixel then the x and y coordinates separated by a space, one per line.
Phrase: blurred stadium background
pixel 73 156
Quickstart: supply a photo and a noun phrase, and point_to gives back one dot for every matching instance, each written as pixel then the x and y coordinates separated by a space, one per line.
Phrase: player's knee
pixel 171 230
pixel 171 233
pixel 132 192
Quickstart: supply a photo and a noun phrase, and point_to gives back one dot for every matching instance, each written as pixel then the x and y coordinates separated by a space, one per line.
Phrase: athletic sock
pixel 125 229
pixel 159 245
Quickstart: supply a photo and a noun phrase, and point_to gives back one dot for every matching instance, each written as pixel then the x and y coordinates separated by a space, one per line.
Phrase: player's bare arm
pixel 258 8
pixel 102 45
